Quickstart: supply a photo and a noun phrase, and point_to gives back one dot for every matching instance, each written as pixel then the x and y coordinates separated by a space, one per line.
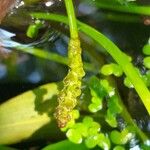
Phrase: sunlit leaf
pixel 29 115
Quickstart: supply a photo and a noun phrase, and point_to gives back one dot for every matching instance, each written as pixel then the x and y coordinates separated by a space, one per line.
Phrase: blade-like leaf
pixel 29 115
pixel 66 145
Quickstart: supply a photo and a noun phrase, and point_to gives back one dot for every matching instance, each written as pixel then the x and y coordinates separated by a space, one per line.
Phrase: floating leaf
pixel 114 106
pixel 93 107
pixel 118 148
pixel 104 142
pixel 91 141
pixel 111 119
pixel 96 88
pixel 107 70
pixel 122 137
pixel 109 90
pixel 128 83
pixel 146 62
pixel 146 49
pixel 110 69
pixel 33 29
pixel 74 136
pixel 94 128
pixel 87 121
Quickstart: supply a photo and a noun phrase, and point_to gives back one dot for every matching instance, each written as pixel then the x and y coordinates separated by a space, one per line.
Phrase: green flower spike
pixel 67 98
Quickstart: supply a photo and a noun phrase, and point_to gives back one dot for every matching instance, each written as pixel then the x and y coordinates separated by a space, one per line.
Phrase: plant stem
pixel 113 50
pixel 127 117
pixel 50 56
pixel 72 19
pixel 142 10
pixel 123 61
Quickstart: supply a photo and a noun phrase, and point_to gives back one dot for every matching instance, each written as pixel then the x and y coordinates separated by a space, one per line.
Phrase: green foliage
pixel 82 130
pixel 100 90
pixel 119 148
pixel 113 110
pixel 123 6
pixel 121 138
pixel 112 68
pixel 6 148
pixel 89 131
pixel 128 83
pixel 146 62
pixel 65 145
pixel 33 29
pixel 146 49
pixel 25 114
pixel 121 58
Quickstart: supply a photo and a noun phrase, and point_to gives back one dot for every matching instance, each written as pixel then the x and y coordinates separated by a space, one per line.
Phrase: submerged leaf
pixel 29 115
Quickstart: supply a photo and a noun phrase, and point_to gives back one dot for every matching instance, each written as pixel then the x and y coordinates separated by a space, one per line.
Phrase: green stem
pixel 125 114
pixel 127 117
pixel 113 50
pixel 51 56
pixel 142 10
pixel 72 19
pixel 125 18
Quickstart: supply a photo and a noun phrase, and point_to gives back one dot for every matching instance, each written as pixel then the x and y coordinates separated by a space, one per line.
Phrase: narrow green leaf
pixel 65 145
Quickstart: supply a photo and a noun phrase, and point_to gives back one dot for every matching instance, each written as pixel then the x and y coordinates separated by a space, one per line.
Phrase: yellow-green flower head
pixel 67 98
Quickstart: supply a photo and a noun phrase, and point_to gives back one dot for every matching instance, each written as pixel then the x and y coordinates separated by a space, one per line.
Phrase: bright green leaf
pixel 91 141
pixel 146 49
pixel 23 116
pixel 74 136
pixel 104 142
pixel 65 145
pixel 119 148
pixel 146 62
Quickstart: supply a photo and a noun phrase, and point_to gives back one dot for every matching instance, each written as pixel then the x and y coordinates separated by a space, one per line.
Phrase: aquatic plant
pixel 106 122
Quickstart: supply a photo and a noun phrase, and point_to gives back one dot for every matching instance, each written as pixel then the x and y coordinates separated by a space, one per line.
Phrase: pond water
pixel 20 71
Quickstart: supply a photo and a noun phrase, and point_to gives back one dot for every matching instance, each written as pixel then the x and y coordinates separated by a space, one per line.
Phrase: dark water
pixel 20 72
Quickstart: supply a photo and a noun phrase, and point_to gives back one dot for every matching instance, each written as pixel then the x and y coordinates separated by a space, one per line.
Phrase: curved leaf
pixel 66 145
